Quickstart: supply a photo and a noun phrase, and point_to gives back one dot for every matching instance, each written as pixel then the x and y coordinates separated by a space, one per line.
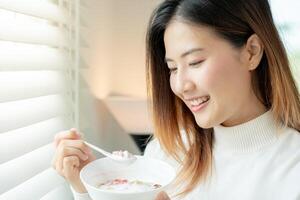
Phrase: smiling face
pixel 210 75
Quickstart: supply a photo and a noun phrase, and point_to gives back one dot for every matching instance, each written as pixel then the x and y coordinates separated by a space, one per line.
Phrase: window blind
pixel 39 64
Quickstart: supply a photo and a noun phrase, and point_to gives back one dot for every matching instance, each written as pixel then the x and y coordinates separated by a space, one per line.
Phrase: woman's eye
pixel 172 70
pixel 194 64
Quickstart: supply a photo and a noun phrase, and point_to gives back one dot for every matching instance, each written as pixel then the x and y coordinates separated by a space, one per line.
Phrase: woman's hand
pixel 162 196
pixel 70 156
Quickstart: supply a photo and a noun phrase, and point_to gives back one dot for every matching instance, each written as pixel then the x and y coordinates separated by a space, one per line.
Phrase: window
pixel 39 64
pixel 286 16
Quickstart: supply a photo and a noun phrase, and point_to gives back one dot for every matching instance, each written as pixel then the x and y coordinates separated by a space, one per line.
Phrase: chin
pixel 204 124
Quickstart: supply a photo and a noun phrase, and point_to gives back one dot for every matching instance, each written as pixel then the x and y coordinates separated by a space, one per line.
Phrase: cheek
pixel 173 84
pixel 211 77
pixel 225 79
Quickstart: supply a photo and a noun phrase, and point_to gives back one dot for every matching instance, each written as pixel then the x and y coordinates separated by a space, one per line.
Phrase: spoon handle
pixel 98 149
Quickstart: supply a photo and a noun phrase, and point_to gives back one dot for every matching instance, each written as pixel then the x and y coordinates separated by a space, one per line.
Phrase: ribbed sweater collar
pixel 247 137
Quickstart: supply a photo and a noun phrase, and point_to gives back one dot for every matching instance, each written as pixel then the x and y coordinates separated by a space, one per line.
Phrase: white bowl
pixel 143 169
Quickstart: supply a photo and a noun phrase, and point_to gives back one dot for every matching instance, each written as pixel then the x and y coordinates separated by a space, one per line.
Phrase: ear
pixel 254 49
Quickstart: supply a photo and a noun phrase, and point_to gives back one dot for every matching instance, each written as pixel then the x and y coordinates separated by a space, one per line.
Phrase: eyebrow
pixel 186 53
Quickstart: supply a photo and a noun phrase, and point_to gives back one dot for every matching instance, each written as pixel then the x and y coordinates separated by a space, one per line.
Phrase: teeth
pixel 196 102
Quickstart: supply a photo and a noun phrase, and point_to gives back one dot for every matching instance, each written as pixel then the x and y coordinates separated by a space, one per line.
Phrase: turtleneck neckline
pixel 247 137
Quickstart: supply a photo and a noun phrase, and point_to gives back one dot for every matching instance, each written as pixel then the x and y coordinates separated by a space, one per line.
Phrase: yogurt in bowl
pixel 128 185
pixel 106 179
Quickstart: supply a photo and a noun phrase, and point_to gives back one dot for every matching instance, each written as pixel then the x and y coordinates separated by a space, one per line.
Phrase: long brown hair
pixel 272 81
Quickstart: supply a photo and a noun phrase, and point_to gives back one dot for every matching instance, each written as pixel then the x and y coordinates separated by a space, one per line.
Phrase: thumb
pixel 162 196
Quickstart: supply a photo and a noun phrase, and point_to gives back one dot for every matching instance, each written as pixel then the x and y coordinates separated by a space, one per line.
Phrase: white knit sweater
pixel 252 161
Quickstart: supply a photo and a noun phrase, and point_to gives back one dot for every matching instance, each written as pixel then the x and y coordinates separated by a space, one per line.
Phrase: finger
pixel 162 196
pixel 55 163
pixel 68 134
pixel 78 144
pixel 68 151
pixel 71 151
pixel 71 167
pixel 65 149
pixel 91 158
pixel 71 161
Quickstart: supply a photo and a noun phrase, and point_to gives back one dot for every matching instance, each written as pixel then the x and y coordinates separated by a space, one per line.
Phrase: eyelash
pixel 171 70
pixel 196 63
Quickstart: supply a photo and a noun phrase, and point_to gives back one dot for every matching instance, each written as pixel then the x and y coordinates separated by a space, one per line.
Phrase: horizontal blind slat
pixel 36 8
pixel 35 136
pixel 19 85
pixel 33 34
pixel 19 56
pixel 62 192
pixel 18 114
pixel 16 171
pixel 35 187
pixel 26 112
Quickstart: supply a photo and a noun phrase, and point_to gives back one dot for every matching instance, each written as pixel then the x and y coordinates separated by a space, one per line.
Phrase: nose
pixel 184 83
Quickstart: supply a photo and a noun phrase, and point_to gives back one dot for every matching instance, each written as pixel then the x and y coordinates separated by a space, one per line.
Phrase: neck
pixel 249 112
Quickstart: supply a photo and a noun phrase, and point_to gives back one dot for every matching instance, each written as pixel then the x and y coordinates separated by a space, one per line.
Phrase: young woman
pixel 226 108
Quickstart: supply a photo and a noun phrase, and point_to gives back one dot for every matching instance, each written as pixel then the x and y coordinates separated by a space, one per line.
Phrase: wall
pixel 117 53
pixel 115 56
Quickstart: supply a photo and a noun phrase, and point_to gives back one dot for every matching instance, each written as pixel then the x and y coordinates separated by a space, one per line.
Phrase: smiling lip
pixel 192 98
pixel 199 107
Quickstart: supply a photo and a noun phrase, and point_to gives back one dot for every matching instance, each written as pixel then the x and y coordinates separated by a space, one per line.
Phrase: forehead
pixel 180 37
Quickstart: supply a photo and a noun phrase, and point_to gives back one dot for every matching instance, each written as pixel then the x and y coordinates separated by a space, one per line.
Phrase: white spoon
pixel 118 158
